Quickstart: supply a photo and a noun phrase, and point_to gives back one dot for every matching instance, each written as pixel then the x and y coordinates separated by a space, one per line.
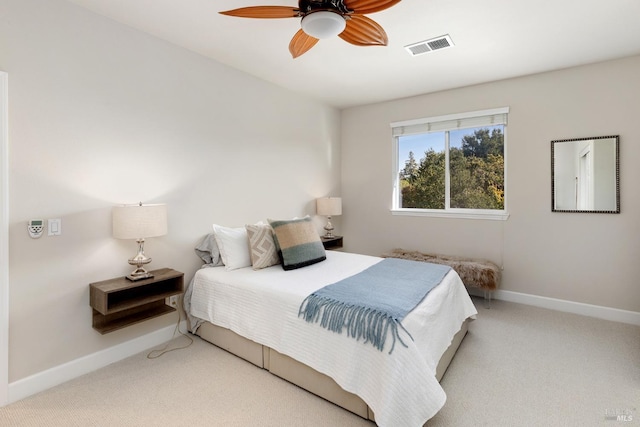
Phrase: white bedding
pixel 262 306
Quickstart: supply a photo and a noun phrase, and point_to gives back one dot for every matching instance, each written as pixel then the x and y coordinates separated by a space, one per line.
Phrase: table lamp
pixel 139 222
pixel 329 206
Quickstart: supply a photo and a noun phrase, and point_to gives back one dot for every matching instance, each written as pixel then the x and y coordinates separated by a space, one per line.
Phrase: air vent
pixel 427 46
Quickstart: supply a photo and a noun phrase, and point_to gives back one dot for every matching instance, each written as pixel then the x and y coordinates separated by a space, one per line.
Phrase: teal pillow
pixel 298 243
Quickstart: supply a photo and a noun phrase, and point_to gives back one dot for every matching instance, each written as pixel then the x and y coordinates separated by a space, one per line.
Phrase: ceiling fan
pixel 324 19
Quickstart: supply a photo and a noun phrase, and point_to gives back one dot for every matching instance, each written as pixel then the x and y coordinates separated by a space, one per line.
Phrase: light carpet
pixel 518 366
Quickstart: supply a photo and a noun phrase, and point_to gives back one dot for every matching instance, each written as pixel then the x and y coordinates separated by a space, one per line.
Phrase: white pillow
pixel 233 244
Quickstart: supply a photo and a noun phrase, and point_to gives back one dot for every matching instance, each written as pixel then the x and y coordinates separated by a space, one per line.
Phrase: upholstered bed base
pixel 302 375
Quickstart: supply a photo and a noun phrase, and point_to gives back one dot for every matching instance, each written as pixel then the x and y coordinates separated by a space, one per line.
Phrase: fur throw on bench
pixel 473 272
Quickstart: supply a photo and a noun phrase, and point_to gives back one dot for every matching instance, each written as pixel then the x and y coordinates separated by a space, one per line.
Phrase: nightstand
pixel 119 302
pixel 331 243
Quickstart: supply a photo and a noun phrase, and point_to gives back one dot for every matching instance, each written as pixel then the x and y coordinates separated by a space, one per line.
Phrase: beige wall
pixel 587 258
pixel 99 115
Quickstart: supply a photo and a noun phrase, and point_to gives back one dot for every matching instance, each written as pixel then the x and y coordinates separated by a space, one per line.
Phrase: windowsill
pixel 452 213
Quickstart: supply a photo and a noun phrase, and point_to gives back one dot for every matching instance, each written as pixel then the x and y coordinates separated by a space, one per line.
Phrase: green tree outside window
pixel 476 170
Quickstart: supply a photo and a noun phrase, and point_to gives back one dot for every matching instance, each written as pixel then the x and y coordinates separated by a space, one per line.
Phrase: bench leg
pixel 487 299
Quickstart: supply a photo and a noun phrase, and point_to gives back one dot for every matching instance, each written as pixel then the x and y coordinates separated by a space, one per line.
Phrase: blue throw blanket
pixel 372 303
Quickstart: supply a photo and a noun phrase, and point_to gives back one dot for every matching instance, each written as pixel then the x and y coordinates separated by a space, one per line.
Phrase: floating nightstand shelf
pixel 119 302
pixel 331 243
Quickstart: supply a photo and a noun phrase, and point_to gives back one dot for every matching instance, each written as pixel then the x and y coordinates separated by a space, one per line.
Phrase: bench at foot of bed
pixel 474 273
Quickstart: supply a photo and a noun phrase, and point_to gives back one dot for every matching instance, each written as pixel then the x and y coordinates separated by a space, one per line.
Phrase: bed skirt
pixel 301 375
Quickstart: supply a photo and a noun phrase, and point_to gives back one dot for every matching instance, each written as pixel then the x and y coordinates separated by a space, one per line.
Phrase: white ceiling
pixel 494 39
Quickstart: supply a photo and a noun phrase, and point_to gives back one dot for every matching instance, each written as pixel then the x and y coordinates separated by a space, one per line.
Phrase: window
pixel 451 166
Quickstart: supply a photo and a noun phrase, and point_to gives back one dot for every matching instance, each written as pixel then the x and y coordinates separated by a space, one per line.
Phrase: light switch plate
pixel 54 227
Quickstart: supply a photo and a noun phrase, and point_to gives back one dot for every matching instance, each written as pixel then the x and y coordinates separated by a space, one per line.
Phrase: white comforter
pixel 262 306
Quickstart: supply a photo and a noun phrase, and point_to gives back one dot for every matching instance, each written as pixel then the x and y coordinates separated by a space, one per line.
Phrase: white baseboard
pixel 600 312
pixel 52 377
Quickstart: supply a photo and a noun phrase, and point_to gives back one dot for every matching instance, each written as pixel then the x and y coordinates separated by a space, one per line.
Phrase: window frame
pixel 447 212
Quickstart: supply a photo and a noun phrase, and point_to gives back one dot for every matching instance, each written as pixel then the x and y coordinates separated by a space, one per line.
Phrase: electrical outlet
pixel 172 301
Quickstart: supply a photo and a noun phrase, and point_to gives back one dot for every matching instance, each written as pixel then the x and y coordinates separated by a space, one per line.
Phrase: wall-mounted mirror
pixel 585 175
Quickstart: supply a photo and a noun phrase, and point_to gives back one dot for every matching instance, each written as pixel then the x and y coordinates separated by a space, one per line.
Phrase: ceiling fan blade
pixel 362 7
pixel 363 31
pixel 301 43
pixel 264 12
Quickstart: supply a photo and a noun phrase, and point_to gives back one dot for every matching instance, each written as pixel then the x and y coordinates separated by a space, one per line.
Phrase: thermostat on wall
pixel 35 228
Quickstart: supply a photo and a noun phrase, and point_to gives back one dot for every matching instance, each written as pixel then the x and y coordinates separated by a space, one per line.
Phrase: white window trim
pixel 495 215
pixel 485 214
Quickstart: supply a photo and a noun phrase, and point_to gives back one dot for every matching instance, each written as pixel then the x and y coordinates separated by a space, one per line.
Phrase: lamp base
pixel 139 274
pixel 139 260
pixel 328 229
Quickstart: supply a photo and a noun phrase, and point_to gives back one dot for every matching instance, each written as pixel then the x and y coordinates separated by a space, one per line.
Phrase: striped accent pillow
pixel 298 243
pixel 262 247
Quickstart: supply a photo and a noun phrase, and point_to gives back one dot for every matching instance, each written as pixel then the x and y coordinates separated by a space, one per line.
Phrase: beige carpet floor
pixel 518 366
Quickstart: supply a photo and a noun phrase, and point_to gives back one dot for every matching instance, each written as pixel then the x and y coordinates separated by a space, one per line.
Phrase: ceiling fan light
pixel 323 24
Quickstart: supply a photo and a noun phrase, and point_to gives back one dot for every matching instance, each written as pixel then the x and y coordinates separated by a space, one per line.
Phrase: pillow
pixel 233 245
pixel 208 251
pixel 298 243
pixel 262 247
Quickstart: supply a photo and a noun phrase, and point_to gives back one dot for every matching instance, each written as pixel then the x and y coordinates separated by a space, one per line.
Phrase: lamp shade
pixel 139 221
pixel 329 206
pixel 323 24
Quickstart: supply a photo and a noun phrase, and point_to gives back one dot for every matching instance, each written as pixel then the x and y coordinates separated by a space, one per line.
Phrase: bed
pixel 254 314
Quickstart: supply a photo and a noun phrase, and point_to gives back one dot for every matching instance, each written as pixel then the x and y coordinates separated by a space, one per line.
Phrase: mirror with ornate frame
pixel 585 175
